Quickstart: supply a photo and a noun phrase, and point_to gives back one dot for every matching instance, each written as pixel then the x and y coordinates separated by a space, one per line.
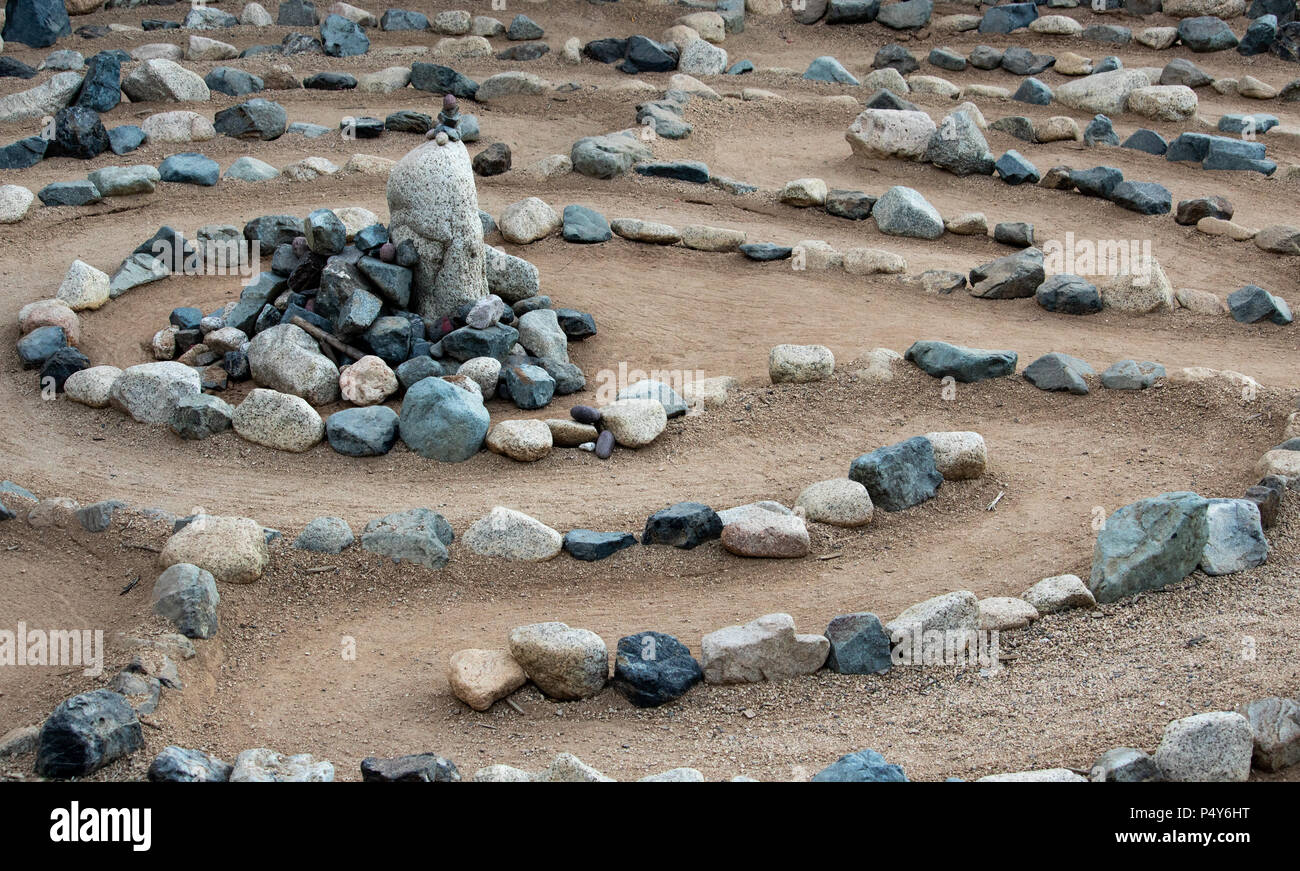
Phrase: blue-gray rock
pixel 1107 34
pixel 585 226
pixel 608 156
pixel 589 545
pixel 766 251
pixel 417 369
pixel 1013 276
pixel 528 386
pixel 391 280
pixel 326 534
pixel 740 67
pixel 1287 44
pixel 36 23
pixel 851 205
pixel 865 766
pixel 415 768
pixel 78 133
pixel 466 343
pixel 1283 10
pixel 187 596
pixel 1100 181
pixel 1257 123
pixel 828 69
pixel 1143 197
pixel 440 421
pixel 682 170
pixel 1014 168
pixel 985 57
pixel 1023 62
pixel 1055 371
pixel 906 14
pixel 1068 294
pixel 1008 17
pixel 522 27
pixel 887 99
pixel 253 119
pixel 1107 64
pixel 69 193
pixel 233 82
pixel 200 416
pixel 403 19
pixel 39 345
pixel 25 152
pixel 967 365
pixel 1100 131
pixel 1206 34
pixel 409 121
pixel 686 525
pixel 1234 537
pixel 577 325
pixel 87 732
pixel 362 432
pixel 207 18
pixel 179 765
pixel 1149 141
pixel 894 56
pixel 1181 71
pixel 190 168
pixel 101 88
pixel 902 211
pixel 1148 545
pixel 125 139
pixel 1132 375
pixel 644 55
pixel 959 146
pixel 1017 234
pixel 98 516
pixel 1253 303
pixel 13 68
pixel 1259 35
pixel 1018 126
pixel 651 669
pixel 343 38
pixel 899 476
pixel 859 645
pixel 389 338
pixel 946 59
pixel 439 79
pixel 418 535
pixel 1033 91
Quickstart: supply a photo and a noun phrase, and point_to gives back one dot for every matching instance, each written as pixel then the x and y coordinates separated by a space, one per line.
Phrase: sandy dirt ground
pixel 1076 684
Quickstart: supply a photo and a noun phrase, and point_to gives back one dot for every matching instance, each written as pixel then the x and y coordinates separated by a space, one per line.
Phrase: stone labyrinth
pixel 377 371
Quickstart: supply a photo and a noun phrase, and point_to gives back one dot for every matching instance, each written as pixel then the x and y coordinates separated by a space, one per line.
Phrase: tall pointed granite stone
pixel 432 202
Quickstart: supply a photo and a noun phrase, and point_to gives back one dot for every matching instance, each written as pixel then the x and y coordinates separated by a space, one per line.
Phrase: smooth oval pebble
pixel 388 252
pixel 605 445
pixel 585 414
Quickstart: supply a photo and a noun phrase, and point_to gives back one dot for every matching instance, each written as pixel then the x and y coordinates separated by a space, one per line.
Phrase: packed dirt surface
pixel 1074 684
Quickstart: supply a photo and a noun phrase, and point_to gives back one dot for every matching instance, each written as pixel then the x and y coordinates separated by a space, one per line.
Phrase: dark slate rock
pixel 1259 35
pixel 467 342
pixel 651 669
pixel 1015 233
pixel 190 168
pixel 1068 294
pixel 1054 371
pixel 1287 44
pixel 59 365
pixel 493 160
pixel 899 476
pixel 151 24
pixel 13 68
pixel 644 55
pixel 985 57
pixel 1206 34
pixel 1008 17
pixel 101 88
pixel 330 82
pixel 1148 545
pixel 233 82
pixel 584 225
pixel 1100 131
pixel 438 79
pixel 389 338
pixel 1014 276
pixel 906 14
pixel 297 13
pixel 179 765
pixel 1252 304
pixel 1107 34
pixel 362 432
pixel 391 280
pixel 859 645
pixel 941 359
pixel 1034 92
pixel 886 99
pixel 1100 181
pixel 1132 375
pixel 1147 140
pixel 1191 211
pixel 125 139
pixel 1283 10
pixel 86 732
pixel 589 545
pixel 681 170
pixel 606 51
pixel 522 27
pixel 403 19
pixel 271 231
pixel 1181 71
pixel 766 251
pixel 36 23
pixel 253 119
pixel 1014 168
pixel 201 416
pixel 69 193
pixel 685 524
pixel 852 11
pixel 1235 154
pixel 1024 62
pixel 1018 126
pixel 416 535
pixel 98 516
pixel 1107 64
pixel 78 133
pixel 959 147
pixel 828 69
pixel 894 56
pixel 409 121
pixel 577 325
pixel 186 595
pixel 1143 197
pixel 1255 124
pixel 418 368
pixel 567 376
pixel 23 153
pixel 416 768
pixel 946 59
pixel 343 38
pixel 528 386
pixel 865 766
pixel 1267 497
pixel 852 205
